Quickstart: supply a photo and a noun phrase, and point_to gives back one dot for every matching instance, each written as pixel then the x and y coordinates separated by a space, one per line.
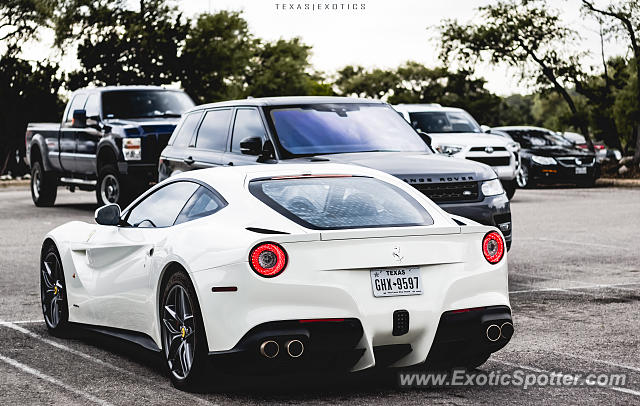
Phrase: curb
pixel 618 182
pixel 9 183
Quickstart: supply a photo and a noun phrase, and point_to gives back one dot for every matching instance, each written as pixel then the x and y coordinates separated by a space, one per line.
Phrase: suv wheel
pixel 44 186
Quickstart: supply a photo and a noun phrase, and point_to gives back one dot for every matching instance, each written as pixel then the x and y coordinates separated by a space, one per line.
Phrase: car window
pixel 161 208
pixel 341 202
pixel 444 122
pixel 76 104
pixel 213 130
pixel 248 124
pixel 92 107
pixel 203 203
pixel 185 132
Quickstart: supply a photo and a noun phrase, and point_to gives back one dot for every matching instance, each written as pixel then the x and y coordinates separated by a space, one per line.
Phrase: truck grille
pixel 449 192
pixel 491 160
pixel 483 149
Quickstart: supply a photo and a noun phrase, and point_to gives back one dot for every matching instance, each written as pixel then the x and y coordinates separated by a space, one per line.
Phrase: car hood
pixel 438 168
pixel 558 151
pixel 469 139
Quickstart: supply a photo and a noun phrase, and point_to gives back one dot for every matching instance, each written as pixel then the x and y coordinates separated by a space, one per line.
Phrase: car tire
pixel 111 187
pixel 510 187
pixel 53 291
pixel 522 178
pixel 44 186
pixel 184 342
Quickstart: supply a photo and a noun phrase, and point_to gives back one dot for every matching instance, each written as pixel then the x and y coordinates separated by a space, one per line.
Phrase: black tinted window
pixel 144 103
pixel 76 104
pixel 203 203
pixel 213 130
pixel 185 132
pixel 248 124
pixel 161 208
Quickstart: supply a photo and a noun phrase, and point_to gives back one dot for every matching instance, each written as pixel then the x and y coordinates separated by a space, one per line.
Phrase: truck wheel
pixel 44 186
pixel 111 188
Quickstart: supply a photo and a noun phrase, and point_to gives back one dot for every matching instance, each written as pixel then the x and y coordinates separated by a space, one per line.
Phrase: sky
pixel 384 34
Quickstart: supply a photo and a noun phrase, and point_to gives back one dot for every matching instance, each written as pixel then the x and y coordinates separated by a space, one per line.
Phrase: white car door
pixel 119 278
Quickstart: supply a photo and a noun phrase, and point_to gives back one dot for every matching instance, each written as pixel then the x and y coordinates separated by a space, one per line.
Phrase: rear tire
pixel 184 342
pixel 44 186
pixel 111 187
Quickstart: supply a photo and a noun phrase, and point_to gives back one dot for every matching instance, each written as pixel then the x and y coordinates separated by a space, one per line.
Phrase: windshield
pixel 538 138
pixel 342 128
pixel 444 122
pixel 331 203
pixel 144 103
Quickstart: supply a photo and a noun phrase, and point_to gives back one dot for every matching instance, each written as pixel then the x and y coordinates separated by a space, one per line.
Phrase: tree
pixel 21 19
pixel 522 33
pixel 359 82
pixel 624 17
pixel 216 57
pixel 120 46
pixel 282 68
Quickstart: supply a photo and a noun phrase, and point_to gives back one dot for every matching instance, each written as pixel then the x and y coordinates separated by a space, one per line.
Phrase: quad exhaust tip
pixel 493 332
pixel 269 349
pixel 295 348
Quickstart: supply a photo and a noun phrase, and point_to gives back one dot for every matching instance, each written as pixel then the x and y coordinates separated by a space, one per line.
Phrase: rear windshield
pixel 444 122
pixel 330 203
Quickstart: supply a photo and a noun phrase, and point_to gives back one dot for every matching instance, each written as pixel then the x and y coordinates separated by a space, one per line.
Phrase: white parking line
pixel 589 244
pixel 38 374
pixel 540 371
pixel 569 288
pixel 599 361
pixel 63 347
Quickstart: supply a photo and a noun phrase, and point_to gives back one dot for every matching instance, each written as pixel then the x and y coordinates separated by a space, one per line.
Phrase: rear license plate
pixel 581 171
pixel 396 282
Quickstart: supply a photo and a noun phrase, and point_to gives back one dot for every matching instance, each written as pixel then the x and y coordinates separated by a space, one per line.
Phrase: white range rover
pixel 453 131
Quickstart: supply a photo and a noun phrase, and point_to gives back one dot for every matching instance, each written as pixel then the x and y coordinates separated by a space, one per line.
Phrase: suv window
pixel 248 124
pixel 76 104
pixel 214 129
pixel 161 208
pixel 186 130
pixel 203 203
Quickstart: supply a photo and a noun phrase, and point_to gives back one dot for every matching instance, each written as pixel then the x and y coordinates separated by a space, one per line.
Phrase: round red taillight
pixel 493 247
pixel 268 259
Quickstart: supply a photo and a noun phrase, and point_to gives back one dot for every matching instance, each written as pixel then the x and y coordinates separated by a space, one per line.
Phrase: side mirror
pixel 251 146
pixel 108 215
pixel 486 129
pixel 93 121
pixel 79 118
pixel 425 137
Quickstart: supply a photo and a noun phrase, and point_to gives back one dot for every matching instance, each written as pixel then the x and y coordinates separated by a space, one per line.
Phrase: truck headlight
pixel 543 160
pixel 492 187
pixel 132 149
pixel 448 149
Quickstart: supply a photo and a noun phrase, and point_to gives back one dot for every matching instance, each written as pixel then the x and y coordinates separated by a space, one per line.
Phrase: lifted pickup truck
pixel 109 140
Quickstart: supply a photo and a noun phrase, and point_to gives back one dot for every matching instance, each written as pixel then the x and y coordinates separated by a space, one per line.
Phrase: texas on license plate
pixel 396 282
pixel 581 171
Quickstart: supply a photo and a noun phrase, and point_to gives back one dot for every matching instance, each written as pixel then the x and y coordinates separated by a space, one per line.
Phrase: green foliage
pixel 217 56
pixel 117 45
pixel 21 19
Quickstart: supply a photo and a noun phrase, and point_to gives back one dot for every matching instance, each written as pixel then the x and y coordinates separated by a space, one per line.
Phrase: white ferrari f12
pixel 282 268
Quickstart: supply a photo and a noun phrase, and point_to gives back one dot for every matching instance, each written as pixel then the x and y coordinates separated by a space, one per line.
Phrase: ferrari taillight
pixel 268 259
pixel 493 247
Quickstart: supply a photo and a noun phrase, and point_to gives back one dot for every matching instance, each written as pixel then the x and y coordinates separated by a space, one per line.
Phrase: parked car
pixel 548 157
pixel 602 152
pixel 108 140
pixel 454 132
pixel 333 129
pixel 282 268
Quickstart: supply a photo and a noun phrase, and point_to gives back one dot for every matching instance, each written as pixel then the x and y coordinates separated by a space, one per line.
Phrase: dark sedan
pixel 549 158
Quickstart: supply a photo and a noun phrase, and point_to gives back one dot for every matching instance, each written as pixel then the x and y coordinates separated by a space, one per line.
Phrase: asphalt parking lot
pixel 575 293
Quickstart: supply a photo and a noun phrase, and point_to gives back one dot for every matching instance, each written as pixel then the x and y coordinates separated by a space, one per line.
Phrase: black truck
pixel 109 140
